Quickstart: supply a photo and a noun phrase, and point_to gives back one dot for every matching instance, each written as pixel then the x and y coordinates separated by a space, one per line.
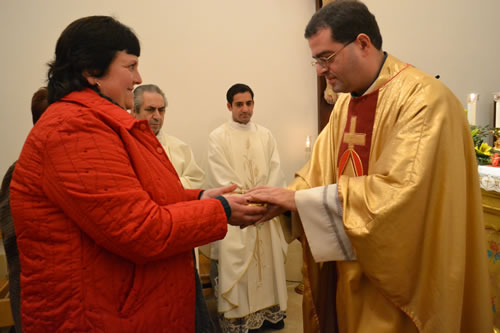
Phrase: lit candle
pixel 471 108
pixel 308 143
pixel 496 98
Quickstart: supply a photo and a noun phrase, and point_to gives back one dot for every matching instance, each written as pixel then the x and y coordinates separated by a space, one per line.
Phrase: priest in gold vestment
pixel 388 208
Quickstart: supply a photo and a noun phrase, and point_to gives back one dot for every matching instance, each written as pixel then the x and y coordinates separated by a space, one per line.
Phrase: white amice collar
pixel 246 127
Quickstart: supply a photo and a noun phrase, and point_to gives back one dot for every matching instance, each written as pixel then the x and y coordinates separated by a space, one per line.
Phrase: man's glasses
pixel 325 61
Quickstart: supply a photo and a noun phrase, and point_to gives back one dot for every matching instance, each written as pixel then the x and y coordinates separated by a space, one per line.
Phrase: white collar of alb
pixel 237 125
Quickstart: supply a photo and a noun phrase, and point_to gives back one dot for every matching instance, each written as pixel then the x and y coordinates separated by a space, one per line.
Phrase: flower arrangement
pixel 483 150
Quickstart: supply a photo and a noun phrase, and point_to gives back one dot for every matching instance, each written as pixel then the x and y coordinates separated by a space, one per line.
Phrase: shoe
pixel 273 326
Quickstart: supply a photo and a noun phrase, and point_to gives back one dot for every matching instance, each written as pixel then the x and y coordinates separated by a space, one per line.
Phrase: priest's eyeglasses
pixel 325 61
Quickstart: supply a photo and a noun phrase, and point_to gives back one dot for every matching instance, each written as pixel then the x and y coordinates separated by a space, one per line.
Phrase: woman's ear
pixel 92 80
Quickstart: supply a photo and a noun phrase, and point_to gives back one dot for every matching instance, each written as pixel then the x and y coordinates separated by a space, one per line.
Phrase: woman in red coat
pixel 105 229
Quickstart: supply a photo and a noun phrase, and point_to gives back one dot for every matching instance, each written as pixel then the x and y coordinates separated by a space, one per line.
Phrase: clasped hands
pixel 257 205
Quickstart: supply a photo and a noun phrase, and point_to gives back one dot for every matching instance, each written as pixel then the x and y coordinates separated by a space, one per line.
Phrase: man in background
pixel 150 104
pixel 251 285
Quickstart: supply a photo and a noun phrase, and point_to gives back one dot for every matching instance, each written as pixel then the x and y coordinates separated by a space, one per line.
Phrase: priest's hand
pixel 242 214
pixel 279 200
pixel 212 193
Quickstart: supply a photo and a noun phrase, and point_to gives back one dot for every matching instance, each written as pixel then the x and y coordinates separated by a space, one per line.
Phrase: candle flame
pixel 472 98
pixel 308 141
pixel 496 97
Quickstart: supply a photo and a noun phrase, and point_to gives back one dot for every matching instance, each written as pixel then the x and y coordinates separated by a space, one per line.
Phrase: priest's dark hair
pixel 346 19
pixel 237 89
pixel 88 44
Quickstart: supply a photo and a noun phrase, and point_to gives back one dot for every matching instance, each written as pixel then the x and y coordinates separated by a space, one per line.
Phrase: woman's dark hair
pixel 88 44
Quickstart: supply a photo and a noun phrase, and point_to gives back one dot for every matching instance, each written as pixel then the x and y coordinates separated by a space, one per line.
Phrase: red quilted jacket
pixel 104 227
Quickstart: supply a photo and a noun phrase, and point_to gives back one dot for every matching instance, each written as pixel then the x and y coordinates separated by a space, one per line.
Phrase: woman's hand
pixel 212 193
pixel 242 214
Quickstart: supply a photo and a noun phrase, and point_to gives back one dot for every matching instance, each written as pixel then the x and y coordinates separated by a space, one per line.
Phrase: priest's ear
pixel 364 42
pixel 229 107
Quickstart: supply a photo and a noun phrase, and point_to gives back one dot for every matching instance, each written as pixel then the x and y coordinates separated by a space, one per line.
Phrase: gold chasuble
pixel 403 160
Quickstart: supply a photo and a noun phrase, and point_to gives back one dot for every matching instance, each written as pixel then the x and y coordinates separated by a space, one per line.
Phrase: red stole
pixel 354 150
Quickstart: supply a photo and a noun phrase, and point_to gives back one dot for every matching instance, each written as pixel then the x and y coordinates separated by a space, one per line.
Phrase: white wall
pixel 196 49
pixel 457 39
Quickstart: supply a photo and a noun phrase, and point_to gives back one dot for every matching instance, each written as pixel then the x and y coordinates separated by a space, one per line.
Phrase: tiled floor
pixel 293 320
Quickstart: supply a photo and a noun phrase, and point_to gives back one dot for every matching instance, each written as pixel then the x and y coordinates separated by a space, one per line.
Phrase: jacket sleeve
pixel 88 174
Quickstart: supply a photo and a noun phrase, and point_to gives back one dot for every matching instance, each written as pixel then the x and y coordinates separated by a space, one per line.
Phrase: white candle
pixel 308 143
pixel 496 99
pixel 497 114
pixel 471 108
pixel 471 113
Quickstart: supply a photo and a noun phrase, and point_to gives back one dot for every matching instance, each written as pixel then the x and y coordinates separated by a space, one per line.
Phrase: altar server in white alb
pixel 251 284
pixel 150 104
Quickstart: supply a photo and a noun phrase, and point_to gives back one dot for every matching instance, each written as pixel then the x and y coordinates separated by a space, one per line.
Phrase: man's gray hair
pixel 139 92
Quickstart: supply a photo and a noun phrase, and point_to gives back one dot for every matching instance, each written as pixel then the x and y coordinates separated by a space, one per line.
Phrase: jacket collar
pixel 92 100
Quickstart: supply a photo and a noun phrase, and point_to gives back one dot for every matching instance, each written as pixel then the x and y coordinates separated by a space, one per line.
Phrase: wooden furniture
pixel 204 272
pixel 5 312
pixel 490 187
pixel 6 319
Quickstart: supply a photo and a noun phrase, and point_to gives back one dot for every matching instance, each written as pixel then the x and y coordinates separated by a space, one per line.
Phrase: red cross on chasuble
pixel 354 151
